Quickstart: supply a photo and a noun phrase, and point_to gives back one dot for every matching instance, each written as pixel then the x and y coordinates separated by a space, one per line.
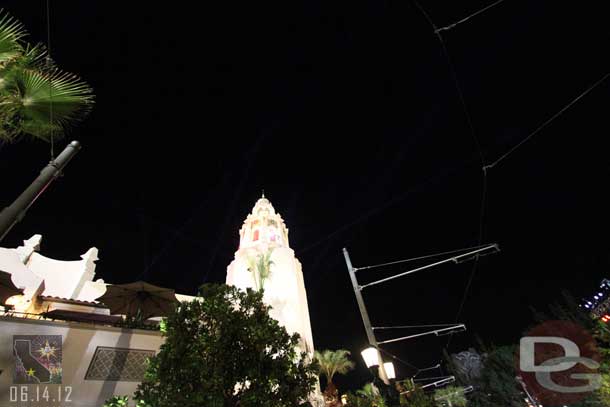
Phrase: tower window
pixel 255 235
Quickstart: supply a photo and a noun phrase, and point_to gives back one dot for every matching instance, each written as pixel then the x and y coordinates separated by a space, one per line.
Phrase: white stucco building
pixel 94 359
pixel 58 313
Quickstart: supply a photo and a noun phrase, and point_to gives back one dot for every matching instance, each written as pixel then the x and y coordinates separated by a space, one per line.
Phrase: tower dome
pixel 263 226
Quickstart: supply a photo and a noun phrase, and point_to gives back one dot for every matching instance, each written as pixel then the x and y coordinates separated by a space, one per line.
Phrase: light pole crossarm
pixel 441 382
pixel 460 327
pixel 438 383
pixel 461 391
pixel 456 259
pixel 430 378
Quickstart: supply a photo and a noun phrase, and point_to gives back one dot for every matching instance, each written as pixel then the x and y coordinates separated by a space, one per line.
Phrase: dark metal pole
pixel 16 211
pixel 363 313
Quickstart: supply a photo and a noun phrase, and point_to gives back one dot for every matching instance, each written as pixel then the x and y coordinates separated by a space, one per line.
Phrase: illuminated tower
pixel 264 259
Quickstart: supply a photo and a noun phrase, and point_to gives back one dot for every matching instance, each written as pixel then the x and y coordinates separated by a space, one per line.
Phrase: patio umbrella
pixel 7 288
pixel 147 299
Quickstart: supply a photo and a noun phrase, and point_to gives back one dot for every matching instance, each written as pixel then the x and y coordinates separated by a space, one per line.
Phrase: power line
pixel 49 64
pixel 438 31
pixel 450 26
pixel 473 134
pixel 543 125
pixel 417 258
pixel 458 88
pixel 455 80
pixel 384 206
pixel 476 260
pixel 412 366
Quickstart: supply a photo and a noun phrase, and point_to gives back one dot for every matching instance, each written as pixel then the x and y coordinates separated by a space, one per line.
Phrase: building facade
pixel 264 260
pixel 57 339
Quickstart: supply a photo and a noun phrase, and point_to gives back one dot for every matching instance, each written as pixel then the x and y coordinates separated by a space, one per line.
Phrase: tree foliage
pixel 330 363
pixel 333 362
pixel 567 309
pixel 225 350
pixel 36 98
pixel 496 385
pixel 117 401
pixel 413 395
pixel 451 396
pixel 369 393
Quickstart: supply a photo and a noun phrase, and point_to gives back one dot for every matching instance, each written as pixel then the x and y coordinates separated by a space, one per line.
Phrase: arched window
pixel 255 235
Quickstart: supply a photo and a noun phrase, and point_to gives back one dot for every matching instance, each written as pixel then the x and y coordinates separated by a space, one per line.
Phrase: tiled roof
pixel 72 301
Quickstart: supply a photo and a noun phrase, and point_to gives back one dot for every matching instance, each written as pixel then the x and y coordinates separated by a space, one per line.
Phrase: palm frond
pixel 35 57
pixel 36 98
pixel 264 267
pixel 333 362
pixel 50 101
pixel 11 31
pixel 260 267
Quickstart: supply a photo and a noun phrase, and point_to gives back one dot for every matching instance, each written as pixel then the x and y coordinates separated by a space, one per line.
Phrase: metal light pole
pixel 364 314
pixel 16 211
pixel 457 258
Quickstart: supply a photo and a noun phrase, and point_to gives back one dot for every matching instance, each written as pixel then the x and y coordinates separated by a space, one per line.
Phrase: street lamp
pixel 389 370
pixel 371 357
pixel 373 363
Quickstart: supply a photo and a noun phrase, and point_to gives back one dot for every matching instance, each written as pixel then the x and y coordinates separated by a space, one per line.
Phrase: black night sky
pixel 347 115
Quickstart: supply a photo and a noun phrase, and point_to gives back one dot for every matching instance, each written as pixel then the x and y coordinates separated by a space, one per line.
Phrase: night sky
pixel 347 115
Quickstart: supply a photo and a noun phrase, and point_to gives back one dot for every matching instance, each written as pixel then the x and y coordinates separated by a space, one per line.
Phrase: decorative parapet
pixel 88 261
pixel 30 246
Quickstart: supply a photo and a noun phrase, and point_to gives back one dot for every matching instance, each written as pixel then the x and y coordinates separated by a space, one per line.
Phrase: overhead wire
pixel 49 63
pixel 546 123
pixel 404 362
pixel 417 258
pixel 463 20
pixel 485 167
pixel 381 207
pixel 476 141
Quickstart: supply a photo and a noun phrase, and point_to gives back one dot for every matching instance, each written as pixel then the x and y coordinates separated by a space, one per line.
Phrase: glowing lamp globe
pixel 371 357
pixel 389 370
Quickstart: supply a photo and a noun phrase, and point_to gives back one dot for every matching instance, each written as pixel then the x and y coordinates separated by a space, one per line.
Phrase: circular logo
pixel 557 363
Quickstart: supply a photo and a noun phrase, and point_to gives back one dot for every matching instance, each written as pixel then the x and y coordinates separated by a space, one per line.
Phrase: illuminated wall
pixel 264 232
pixel 96 361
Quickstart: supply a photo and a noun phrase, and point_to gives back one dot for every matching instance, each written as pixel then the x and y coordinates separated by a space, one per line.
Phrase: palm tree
pixel 260 268
pixel 452 396
pixel 369 393
pixel 36 98
pixel 331 363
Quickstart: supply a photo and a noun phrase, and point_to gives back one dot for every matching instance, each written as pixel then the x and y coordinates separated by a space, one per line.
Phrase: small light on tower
pixel 371 357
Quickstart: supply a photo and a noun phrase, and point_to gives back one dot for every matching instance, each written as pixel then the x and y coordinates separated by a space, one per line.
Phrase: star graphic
pixel 31 372
pixel 47 350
